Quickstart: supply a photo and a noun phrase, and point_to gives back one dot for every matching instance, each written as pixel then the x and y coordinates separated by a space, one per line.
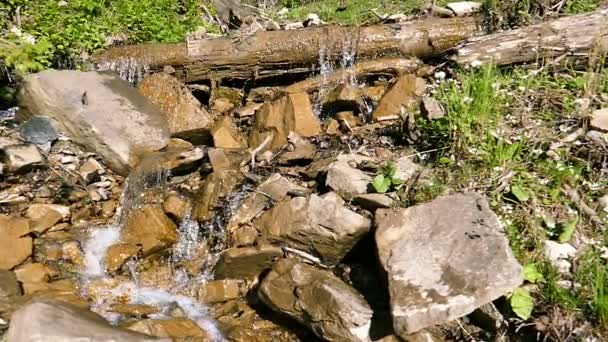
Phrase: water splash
pixel 8 114
pixel 129 69
pixel 189 238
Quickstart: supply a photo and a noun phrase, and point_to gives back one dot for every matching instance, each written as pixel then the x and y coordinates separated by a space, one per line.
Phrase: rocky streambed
pixel 141 214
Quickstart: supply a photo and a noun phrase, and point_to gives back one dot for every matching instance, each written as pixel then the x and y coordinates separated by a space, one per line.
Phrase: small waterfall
pixel 326 67
pixel 129 69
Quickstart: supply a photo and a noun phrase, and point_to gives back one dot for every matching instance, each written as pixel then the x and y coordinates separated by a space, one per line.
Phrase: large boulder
pixel 46 320
pixel 402 96
pixel 98 111
pixel 444 259
pixel 151 228
pixel 186 118
pixel 318 299
pixel 15 243
pixel 316 225
pixel 246 262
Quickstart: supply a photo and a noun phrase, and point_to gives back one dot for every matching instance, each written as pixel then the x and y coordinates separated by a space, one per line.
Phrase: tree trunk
pixel 570 40
pixel 276 53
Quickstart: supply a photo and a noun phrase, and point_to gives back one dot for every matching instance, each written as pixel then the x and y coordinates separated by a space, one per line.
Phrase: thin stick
pixel 306 256
pixel 582 206
pixel 258 149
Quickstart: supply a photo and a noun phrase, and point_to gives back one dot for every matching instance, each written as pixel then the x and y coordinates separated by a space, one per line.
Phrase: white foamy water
pixel 95 250
pixel 129 69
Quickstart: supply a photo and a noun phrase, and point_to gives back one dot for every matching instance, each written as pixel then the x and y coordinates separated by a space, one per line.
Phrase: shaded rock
pixel 344 97
pixel 247 110
pixel 314 225
pixel 217 291
pixel 463 8
pixel 118 254
pixel 433 280
pixel 182 161
pixel 39 131
pixel 300 150
pixel 185 116
pixel 431 108
pixel 318 299
pixel 488 317
pixel 10 290
pixel 85 105
pixel 598 138
pixel 246 262
pixel 176 206
pixel 215 186
pixel 402 96
pixel 227 159
pixel 21 158
pixel 225 136
pixel 45 320
pixel 91 170
pixel 150 228
pixel 374 201
pixel 174 328
pixel 348 119
pixel 347 180
pixel 599 119
pixel 15 244
pixel 44 216
pixel 290 113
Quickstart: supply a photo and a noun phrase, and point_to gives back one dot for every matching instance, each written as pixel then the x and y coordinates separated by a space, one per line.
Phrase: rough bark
pixel 275 53
pixel 568 40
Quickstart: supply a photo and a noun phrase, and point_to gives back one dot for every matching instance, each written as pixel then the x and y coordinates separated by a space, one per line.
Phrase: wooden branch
pixel 578 38
pixel 275 53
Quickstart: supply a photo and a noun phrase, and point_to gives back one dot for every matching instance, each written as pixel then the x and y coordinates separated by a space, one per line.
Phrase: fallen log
pixel 568 41
pixel 276 53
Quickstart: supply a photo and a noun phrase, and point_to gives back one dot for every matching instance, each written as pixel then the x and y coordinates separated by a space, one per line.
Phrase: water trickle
pixel 8 114
pixel 189 238
pixel 129 69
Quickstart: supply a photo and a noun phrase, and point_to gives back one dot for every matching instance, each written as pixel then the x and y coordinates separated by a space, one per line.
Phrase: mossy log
pixel 277 53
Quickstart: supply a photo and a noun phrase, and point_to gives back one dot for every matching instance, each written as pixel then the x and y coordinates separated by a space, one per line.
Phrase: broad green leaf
pixel 522 303
pixel 532 274
pixel 568 231
pixel 396 181
pixel 520 193
pixel 381 184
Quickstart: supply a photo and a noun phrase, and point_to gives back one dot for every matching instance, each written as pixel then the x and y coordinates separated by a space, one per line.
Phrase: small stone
pixel 35 273
pixel 22 158
pixel 221 105
pixel 39 131
pixel 372 202
pixel 176 328
pixel 180 162
pixel 344 97
pixel 313 19
pixel 431 108
pixel 602 203
pixel 136 310
pixel 118 254
pixel 227 159
pixel 91 170
pixel 150 228
pixel 272 25
pixel 69 160
pixel 488 317
pixel 71 252
pixel 225 136
pixel 347 180
pixel 599 119
pixel 374 92
pixel 558 254
pixel 333 127
pixel 598 138
pixel 402 97
pixel 82 213
pixel 246 262
pixel 303 150
pixel 45 216
pixel 176 206
pixel 406 168
pixel 244 236
pixel 108 208
pixel 283 11
pixel 293 26
pixel 247 110
pixel 217 291
pixel 463 8
pixel 15 245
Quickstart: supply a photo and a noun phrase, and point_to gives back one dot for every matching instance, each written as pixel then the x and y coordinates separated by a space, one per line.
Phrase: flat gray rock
pixel 444 259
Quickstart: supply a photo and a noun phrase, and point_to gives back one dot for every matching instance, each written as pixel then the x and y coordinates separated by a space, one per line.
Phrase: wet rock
pixel 374 201
pixel 246 262
pixel 225 136
pixel 176 206
pixel 118 254
pixel 91 170
pixel 15 244
pixel 186 118
pixel 227 159
pixel 314 225
pixel 347 180
pixel 431 108
pixel 72 253
pixel 343 98
pixel 463 8
pixel 150 228
pixel 85 105
pixel 135 310
pixel 428 282
pixel 182 161
pixel 300 150
pixel 39 131
pixel 44 216
pixel 318 299
pixel 401 97
pixel 44 320
pixel 174 328
pixel 599 120
pixel 10 291
pixel 216 185
pixel 21 158
pixel 558 254
pixel 35 273
pixel 217 291
pixel 290 113
pixel 65 290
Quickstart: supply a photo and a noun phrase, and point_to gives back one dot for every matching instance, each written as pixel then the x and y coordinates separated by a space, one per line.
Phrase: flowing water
pixel 129 69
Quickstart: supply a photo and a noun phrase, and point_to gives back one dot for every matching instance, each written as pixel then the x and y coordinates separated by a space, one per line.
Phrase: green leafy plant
pixel 568 230
pixel 532 274
pixel 521 303
pixel 386 180
pixel 520 192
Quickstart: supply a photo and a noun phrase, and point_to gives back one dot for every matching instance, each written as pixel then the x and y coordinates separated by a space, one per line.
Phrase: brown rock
pixel 175 328
pixel 15 245
pixel 108 208
pixel 10 291
pixel 186 118
pixel 344 97
pixel 21 158
pixel 35 273
pixel 348 118
pixel 44 216
pixel 402 96
pixel 225 136
pixel 118 254
pixel 374 92
pixel 300 150
pixel 150 228
pixel 290 113
pixel 176 206
pixel 182 161
pixel 246 262
pixel 431 108
pixel 599 119
pixel 247 110
pixel 91 170
pixel 217 291
pixel 215 186
pixel 71 252
pixel 333 127
pixel 137 310
pixel 227 159
pixel 221 105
